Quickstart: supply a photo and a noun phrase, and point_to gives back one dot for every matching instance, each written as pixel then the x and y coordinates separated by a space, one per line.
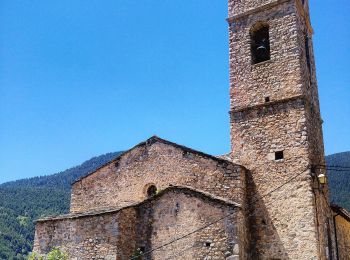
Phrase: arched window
pixel 151 191
pixel 260 42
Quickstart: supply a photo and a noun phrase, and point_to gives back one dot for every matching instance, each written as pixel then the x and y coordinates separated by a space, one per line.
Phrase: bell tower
pixel 276 129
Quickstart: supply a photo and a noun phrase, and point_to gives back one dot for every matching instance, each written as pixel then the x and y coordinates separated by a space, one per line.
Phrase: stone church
pixel 266 199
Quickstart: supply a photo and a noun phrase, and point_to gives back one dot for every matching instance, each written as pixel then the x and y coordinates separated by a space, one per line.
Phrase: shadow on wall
pixel 264 237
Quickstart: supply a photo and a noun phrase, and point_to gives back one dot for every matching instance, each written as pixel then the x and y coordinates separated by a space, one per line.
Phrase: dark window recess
pixel 177 208
pixel 267 99
pixel 279 155
pixel 313 169
pixel 307 53
pixel 260 44
pixel 151 191
pixel 142 249
pixel 207 244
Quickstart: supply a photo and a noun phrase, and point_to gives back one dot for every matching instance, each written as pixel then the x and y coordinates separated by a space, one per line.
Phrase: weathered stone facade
pixel 275 112
pixel 112 214
pixel 342 224
pixel 171 214
pixel 173 202
pixel 160 163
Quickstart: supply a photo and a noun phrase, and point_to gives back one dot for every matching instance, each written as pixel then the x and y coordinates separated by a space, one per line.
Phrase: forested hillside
pixel 23 201
pixel 339 178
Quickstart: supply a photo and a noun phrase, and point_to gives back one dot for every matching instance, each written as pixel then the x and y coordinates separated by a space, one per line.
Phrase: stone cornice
pixel 268 104
pixel 274 104
pixel 256 10
pixel 299 6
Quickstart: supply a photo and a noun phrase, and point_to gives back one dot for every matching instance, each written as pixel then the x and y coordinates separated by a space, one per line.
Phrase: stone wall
pixel 237 7
pixel 214 227
pixel 156 162
pixel 103 236
pixel 179 213
pixel 343 234
pixel 277 78
pixel 281 222
pixel 342 221
pixel 293 221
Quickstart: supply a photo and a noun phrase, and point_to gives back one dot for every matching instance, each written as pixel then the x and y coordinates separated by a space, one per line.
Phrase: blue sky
pixel 81 78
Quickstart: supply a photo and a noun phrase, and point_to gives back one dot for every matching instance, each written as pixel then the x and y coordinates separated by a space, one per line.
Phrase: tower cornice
pixel 301 99
pixel 299 6
pixel 269 104
pixel 256 10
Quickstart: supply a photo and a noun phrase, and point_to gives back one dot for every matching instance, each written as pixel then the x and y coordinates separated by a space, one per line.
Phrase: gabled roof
pixel 156 139
pixel 182 189
pixel 341 211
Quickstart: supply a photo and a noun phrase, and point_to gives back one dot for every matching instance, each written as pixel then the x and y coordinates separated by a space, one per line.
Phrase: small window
pixel 267 99
pixel 151 191
pixel 279 155
pixel 207 244
pixel 260 43
pixel 307 53
pixel 313 169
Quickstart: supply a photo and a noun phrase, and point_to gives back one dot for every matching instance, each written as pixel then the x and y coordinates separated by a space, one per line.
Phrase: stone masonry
pixel 160 163
pixel 166 201
pixel 173 213
pixel 342 224
pixel 274 110
pixel 112 215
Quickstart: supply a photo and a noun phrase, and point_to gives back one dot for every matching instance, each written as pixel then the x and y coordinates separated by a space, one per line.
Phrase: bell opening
pixel 260 45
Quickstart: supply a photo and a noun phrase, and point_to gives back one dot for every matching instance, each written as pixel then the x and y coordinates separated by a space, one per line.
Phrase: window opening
pixel 207 244
pixel 151 191
pixel 260 43
pixel 279 155
pixel 267 99
pixel 307 53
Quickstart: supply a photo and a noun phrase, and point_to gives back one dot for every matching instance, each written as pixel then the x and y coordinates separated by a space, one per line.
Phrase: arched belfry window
pixel 260 42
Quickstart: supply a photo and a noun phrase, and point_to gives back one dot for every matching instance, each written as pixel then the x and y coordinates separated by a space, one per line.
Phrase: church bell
pixel 262 49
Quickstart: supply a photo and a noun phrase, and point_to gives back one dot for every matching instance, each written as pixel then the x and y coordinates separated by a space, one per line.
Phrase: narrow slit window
pixel 279 155
pixel 307 52
pixel 260 43
pixel 267 99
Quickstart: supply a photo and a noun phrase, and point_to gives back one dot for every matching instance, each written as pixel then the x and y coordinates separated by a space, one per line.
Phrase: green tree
pixel 35 256
pixel 57 254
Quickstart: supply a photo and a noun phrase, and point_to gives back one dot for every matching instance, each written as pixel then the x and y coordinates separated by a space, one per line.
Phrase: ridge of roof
pixel 153 140
pixel 184 189
pixel 341 211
